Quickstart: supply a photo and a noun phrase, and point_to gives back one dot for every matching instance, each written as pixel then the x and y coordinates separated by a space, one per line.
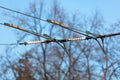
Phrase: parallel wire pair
pixel 86 34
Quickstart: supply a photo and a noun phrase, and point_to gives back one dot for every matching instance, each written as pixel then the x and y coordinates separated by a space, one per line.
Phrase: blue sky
pixel 108 8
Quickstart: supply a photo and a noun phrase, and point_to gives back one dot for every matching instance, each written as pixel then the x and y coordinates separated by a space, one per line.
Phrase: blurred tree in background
pixel 77 60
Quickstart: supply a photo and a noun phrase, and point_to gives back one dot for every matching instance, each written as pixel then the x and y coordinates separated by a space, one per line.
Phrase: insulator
pixel 75 39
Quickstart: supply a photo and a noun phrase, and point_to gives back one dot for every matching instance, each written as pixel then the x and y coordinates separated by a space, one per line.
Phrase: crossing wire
pixel 64 40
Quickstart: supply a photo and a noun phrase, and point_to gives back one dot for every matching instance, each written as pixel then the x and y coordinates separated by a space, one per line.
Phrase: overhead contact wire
pixel 21 13
pixel 22 29
pixel 64 40
pixel 50 21
pixel 67 27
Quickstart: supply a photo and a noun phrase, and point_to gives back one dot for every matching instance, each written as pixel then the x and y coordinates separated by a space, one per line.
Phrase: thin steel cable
pixel 101 46
pixel 21 13
pixel 9 44
pixel 2 23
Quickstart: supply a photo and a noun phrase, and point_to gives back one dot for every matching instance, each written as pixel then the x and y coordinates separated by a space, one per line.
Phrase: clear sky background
pixel 108 8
